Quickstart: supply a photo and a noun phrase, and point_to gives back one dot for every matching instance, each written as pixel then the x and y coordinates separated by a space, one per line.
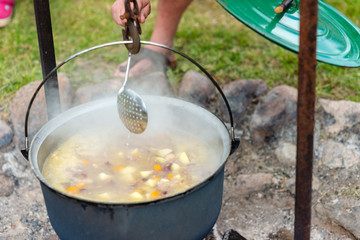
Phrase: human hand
pixel 118 9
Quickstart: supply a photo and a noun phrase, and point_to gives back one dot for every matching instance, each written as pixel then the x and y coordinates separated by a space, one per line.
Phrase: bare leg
pixel 169 13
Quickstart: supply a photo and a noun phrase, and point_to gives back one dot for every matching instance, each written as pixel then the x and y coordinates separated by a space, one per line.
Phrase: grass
pixel 207 33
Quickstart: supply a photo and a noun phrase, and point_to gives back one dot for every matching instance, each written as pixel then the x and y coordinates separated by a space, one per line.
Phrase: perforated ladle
pixel 131 108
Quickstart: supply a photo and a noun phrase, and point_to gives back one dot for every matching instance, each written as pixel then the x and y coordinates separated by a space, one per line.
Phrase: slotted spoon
pixel 131 108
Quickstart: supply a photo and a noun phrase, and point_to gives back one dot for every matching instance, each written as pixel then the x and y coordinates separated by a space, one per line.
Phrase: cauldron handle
pixel 234 141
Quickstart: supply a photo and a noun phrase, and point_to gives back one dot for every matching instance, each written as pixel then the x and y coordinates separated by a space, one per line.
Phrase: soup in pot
pixel 102 166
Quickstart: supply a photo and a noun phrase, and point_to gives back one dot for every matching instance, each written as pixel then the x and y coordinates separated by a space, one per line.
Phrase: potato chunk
pixel 175 167
pixel 136 196
pixel 145 174
pixel 103 176
pixel 183 158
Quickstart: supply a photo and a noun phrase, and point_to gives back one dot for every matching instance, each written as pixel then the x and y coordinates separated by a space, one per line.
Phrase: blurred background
pixel 207 33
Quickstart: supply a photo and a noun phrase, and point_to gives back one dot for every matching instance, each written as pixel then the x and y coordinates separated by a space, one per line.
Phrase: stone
pixel 51 237
pixel 286 153
pixel 15 165
pixel 196 87
pixel 38 115
pixel 6 186
pixel 329 234
pixel 344 114
pixel 247 183
pixel 97 91
pixel 231 234
pixel 240 94
pixel 316 183
pixel 213 234
pixel 6 134
pixel 155 83
pixel 282 234
pixel 337 155
pixel 290 184
pixel 276 108
pixel 344 212
pixel 2 158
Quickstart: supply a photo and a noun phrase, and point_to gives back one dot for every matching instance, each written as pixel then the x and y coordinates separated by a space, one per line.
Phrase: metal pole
pixel 47 56
pixel 305 118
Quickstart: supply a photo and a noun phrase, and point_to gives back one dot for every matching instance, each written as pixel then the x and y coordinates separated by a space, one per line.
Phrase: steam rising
pixel 184 122
pixel 165 116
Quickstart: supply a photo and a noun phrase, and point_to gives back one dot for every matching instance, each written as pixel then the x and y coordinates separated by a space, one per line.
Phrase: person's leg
pixel 169 13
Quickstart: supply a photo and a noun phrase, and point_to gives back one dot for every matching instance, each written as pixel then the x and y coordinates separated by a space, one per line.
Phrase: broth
pixel 91 165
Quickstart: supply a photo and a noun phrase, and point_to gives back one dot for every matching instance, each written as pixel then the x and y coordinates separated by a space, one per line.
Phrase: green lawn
pixel 207 33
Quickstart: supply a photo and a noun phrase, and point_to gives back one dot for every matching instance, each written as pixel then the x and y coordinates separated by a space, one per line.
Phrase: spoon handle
pixel 127 70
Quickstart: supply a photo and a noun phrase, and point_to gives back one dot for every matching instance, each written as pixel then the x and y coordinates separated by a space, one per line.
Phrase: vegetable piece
pixel 169 175
pixel 177 177
pixel 73 190
pixel 157 167
pixel 164 180
pixel 145 174
pixel 103 176
pixel 151 183
pixel 175 167
pixel 127 174
pixel 136 196
pixel 103 196
pixel 129 178
pixel 85 161
pixel 155 194
pixel 161 152
pixel 164 152
pixel 160 159
pixel 117 168
pixel 183 158
pixel 128 170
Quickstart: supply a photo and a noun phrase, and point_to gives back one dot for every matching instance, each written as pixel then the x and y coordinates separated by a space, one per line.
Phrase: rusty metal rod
pixel 47 56
pixel 305 118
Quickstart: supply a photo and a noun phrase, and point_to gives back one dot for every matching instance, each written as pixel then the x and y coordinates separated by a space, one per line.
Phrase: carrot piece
pixel 73 190
pixel 155 194
pixel 85 161
pixel 157 167
pixel 156 178
pixel 169 175
pixel 117 168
